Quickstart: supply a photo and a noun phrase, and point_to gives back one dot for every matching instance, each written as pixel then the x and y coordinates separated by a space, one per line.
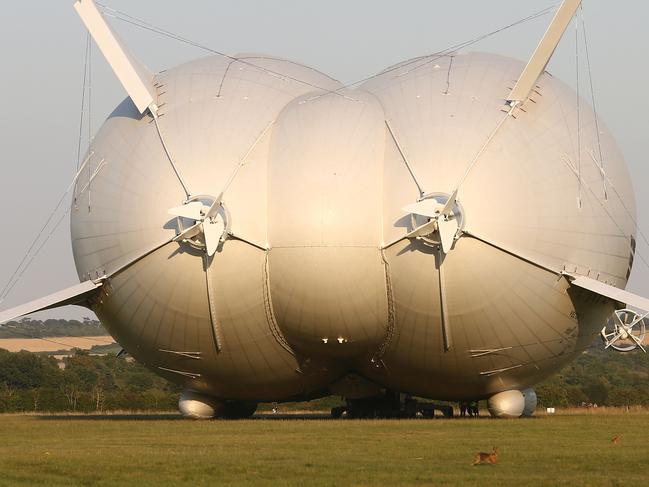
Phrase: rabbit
pixel 483 458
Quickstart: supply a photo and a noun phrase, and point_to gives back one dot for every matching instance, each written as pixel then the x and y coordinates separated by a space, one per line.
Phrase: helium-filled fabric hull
pixel 312 282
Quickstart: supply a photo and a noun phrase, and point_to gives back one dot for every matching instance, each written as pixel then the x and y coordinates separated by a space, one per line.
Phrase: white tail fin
pixel 134 76
pixel 544 51
pixel 78 294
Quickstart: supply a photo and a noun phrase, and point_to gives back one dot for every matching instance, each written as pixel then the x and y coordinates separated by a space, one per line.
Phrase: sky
pixel 42 47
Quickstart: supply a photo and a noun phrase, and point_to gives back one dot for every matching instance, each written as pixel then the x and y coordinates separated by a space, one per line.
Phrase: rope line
pixel 116 14
pixel 124 17
pixel 430 58
pixel 600 161
pixel 483 148
pixel 592 98
pixel 457 47
pixel 90 178
pixel 38 250
pixel 24 263
pixel 578 109
pixel 423 61
pixel 83 99
pixel 603 205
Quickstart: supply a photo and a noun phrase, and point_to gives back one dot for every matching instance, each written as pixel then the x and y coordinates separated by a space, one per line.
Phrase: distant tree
pixel 35 396
pixel 71 388
pixel 50 328
pixel 32 382
pixel 552 395
pixel 25 370
pixel 597 389
pixel 8 394
pixel 575 396
pixel 624 396
pixel 99 396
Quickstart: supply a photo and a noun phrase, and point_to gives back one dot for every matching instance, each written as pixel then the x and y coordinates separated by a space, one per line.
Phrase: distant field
pixel 53 344
pixel 161 450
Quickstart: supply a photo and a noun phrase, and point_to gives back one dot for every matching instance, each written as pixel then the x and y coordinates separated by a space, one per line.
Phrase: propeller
pixel 204 224
pixel 444 219
pixel 203 221
pixel 209 225
pixel 624 335
pixel 207 229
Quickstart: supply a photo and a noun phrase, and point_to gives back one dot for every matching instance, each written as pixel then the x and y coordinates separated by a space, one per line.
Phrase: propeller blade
pixel 428 208
pixel 613 340
pixel 447 230
pixel 189 233
pixel 213 232
pixel 448 207
pixel 215 206
pixel 425 229
pixel 191 211
pixel 638 342
pixel 637 319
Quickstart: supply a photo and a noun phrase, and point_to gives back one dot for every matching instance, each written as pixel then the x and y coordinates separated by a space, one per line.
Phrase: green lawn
pixel 150 450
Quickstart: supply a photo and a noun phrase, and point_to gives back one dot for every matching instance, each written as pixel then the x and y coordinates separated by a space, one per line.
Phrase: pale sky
pixel 42 47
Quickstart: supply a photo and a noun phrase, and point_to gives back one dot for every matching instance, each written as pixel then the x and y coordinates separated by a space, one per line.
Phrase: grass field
pixel 573 450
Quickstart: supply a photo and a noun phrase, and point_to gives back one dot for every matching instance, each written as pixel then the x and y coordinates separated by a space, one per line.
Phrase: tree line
pixel 599 377
pixel 35 382
pixel 28 328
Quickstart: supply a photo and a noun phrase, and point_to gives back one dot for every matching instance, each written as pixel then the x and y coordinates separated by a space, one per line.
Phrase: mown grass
pixel 573 450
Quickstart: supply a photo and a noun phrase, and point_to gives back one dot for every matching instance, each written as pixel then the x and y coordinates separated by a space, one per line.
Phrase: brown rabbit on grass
pixel 616 439
pixel 484 458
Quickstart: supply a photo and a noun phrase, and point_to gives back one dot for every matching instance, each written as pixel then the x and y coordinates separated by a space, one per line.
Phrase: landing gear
pixel 389 405
pixel 238 410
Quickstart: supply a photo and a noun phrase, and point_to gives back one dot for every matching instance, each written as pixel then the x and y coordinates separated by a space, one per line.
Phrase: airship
pixel 458 227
